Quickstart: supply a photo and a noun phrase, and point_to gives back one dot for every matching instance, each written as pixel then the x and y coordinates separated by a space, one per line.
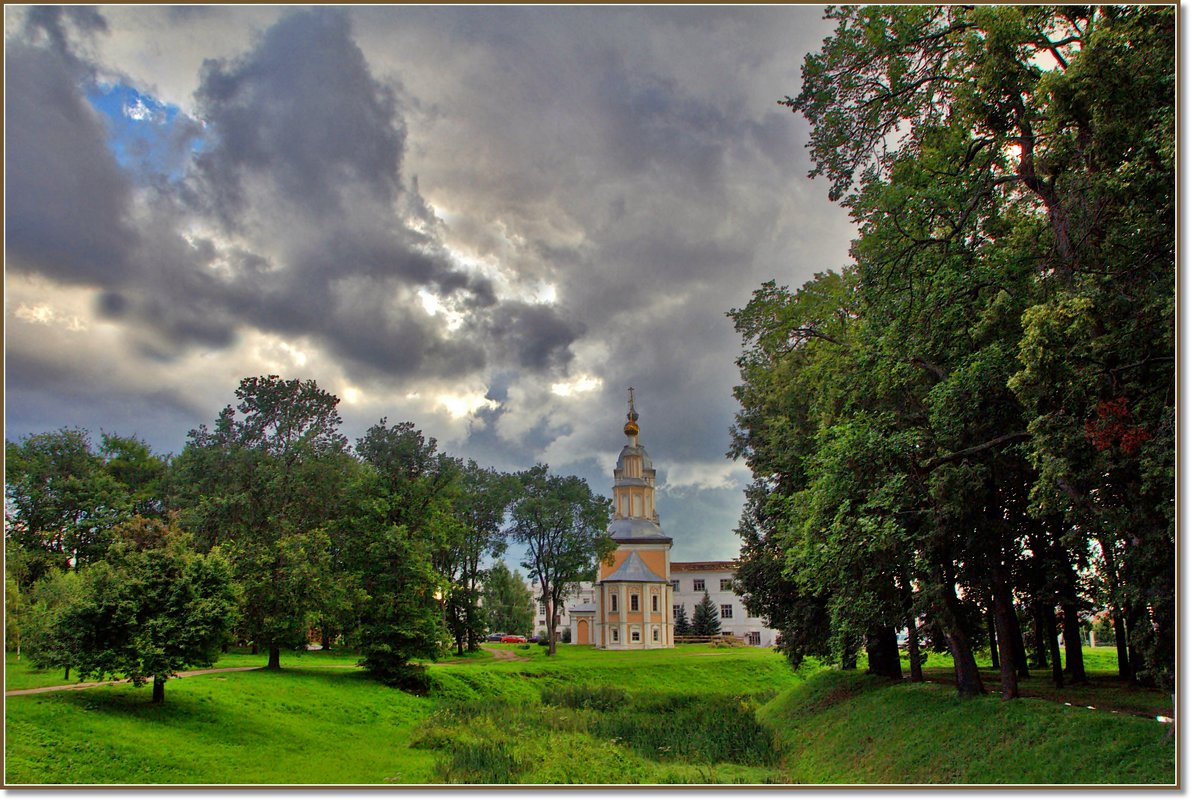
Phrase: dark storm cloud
pixel 301 161
pixel 538 336
pixel 43 395
pixel 66 198
pixel 303 110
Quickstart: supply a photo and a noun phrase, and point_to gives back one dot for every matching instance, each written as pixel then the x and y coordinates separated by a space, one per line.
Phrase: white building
pixel 584 596
pixel 689 581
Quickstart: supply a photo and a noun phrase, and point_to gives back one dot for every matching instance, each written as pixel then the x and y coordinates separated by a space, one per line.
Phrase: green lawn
pixel 696 714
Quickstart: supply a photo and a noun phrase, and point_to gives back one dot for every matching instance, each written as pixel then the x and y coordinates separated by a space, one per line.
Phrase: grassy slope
pixel 849 728
pixel 321 722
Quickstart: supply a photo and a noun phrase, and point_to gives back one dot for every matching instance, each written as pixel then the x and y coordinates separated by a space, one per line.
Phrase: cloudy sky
pixel 488 221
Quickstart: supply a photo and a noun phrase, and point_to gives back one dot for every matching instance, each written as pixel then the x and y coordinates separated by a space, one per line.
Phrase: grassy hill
pixel 697 714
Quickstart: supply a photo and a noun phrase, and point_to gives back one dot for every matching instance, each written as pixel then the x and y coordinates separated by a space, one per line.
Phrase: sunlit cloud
pixel 465 405
pixel 579 385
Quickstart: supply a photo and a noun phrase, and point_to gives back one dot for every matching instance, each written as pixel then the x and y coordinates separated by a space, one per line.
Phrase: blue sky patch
pixel 147 136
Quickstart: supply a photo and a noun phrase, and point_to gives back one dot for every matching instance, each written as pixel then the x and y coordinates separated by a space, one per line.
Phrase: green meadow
pixel 695 715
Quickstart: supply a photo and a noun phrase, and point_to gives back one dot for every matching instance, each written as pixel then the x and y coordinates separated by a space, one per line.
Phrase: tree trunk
pixel 1039 630
pixel 326 639
pixel 912 649
pixel 1073 654
pixel 1136 629
pixel 459 646
pixel 912 628
pixel 1003 610
pixel 1053 641
pixel 274 658
pixel 968 676
pixel 159 690
pixel 1019 643
pixel 991 625
pixel 255 648
pixel 1125 669
pixel 848 659
pixel 550 626
pixel 882 646
pixel 66 673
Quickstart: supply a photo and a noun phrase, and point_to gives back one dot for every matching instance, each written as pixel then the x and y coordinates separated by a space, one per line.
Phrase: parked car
pixel 513 638
pixel 495 636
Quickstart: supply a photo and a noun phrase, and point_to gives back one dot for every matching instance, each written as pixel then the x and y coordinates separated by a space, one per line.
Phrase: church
pixel 632 605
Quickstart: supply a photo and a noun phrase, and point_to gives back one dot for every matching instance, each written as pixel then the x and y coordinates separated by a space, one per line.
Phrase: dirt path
pixel 88 685
pixel 499 653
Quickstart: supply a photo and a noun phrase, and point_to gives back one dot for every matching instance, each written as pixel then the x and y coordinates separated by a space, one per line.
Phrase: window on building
pixel 633 602
pixel 697 585
pixel 675 610
pixel 654 633
pixel 755 638
pixel 726 611
pixel 635 636
pixel 726 585
pixel 616 635
pixel 653 603
pixel 542 609
pixel 612 602
pixel 675 585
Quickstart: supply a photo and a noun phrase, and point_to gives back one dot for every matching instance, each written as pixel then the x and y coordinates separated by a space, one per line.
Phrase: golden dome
pixel 631 429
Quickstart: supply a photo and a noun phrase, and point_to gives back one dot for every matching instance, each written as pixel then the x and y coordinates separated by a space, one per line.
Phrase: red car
pixel 513 638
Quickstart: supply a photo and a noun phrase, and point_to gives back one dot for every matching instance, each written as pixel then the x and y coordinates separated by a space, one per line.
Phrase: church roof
pixel 636 530
pixel 634 569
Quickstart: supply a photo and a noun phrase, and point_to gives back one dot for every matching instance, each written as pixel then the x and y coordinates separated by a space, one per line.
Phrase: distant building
pixel 689 581
pixel 582 597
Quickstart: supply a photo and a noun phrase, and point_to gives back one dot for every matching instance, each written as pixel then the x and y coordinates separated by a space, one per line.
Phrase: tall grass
pixel 700 734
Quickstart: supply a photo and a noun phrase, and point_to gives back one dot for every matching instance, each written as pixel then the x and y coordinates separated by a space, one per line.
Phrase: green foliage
pixel 63 500
pixel 264 483
pixel 683 623
pixel 150 608
pixel 402 619
pixel 507 601
pixel 47 642
pixel 705 621
pixel 562 524
pixel 984 398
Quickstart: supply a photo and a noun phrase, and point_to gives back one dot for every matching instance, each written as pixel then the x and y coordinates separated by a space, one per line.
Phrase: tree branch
pixel 1015 436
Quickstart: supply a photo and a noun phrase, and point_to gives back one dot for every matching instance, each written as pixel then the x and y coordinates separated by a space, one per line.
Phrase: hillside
pixel 697 715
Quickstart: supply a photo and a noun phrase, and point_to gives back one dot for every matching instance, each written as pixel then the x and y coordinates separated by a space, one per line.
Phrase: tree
pixel 705 621
pixel 484 496
pixel 60 502
pixel 150 608
pixel 972 413
pixel 562 523
pixel 403 525
pixel 265 483
pixel 130 462
pixel 508 602
pixel 682 623
pixel 47 642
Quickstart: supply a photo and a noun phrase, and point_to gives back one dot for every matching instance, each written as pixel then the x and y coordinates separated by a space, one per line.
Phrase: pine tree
pixel 682 624
pixel 705 622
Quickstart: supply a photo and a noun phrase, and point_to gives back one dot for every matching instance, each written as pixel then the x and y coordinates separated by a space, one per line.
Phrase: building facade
pixel 689 581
